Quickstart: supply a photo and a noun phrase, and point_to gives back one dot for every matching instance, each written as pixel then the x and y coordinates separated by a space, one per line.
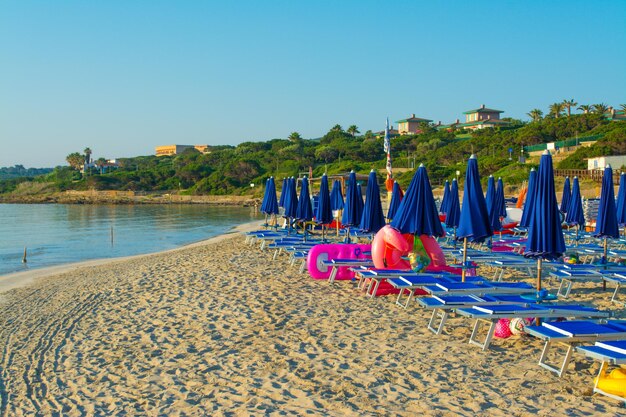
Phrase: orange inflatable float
pixel 388 248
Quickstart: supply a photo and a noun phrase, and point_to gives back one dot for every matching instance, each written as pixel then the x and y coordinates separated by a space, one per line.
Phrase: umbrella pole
pixel 463 273
pixel 577 229
pixel 539 274
pixel 606 262
pixel 454 237
pixel 337 221
pixel 266 221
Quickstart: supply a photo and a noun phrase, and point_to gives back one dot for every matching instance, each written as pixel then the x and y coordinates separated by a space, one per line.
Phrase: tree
pixel 75 160
pixel 87 156
pixel 326 153
pixel 623 107
pixel 337 128
pixel 101 163
pixel 295 137
pixel 568 105
pixel 535 114
pixel 600 108
pixel 585 108
pixel 369 135
pixel 556 109
pixel 353 130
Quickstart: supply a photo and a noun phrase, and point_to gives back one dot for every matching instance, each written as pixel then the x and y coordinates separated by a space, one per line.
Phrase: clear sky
pixel 124 76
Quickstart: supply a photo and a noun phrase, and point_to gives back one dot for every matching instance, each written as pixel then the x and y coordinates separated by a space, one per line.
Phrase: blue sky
pixel 124 76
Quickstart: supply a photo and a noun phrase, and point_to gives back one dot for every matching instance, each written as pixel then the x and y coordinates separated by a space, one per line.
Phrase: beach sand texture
pixel 220 329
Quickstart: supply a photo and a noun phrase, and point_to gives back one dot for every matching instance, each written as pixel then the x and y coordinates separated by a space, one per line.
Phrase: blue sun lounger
pixel 568 276
pixel 571 333
pixel 335 264
pixel 491 314
pixel 608 353
pixel 484 287
pixel 443 305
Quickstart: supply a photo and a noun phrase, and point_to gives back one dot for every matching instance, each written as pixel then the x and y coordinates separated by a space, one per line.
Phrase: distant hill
pixel 243 169
pixel 18 171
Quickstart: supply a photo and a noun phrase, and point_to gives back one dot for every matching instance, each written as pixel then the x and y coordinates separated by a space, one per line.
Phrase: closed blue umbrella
pixel 396 199
pixel 621 201
pixel 417 213
pixel 500 203
pixel 545 235
pixel 304 211
pixel 352 208
pixel 575 215
pixel 454 209
pixel 359 191
pixel 265 195
pixel 490 194
pixel 567 196
pixel 281 201
pixel 443 208
pixel 271 205
pixel 530 199
pixel 336 198
pixel 474 223
pixel 606 222
pixel 372 219
pixel 291 201
pixel 492 209
pixel 324 214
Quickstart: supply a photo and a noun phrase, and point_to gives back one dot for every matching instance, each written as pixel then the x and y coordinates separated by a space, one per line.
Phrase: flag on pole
pixel 386 143
pixel 387 149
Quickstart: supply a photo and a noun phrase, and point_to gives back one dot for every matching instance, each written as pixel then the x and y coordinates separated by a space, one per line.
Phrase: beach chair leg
pixel 564 288
pixel 375 290
pixel 473 338
pixel 442 315
pixel 400 296
pixel 275 254
pixel 303 266
pixel 615 293
pixel 409 298
pixel 566 360
pixel 333 274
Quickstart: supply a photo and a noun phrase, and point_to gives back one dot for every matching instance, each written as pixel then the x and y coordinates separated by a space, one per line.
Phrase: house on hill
pixel 168 150
pixel 411 125
pixel 481 118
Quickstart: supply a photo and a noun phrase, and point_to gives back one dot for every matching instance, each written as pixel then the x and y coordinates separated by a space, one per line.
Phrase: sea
pixel 55 234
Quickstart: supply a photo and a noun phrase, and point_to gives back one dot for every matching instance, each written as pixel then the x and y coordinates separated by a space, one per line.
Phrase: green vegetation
pixel 232 169
pixel 19 171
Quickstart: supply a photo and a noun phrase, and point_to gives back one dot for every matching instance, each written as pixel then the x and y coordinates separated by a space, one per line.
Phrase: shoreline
pixel 24 278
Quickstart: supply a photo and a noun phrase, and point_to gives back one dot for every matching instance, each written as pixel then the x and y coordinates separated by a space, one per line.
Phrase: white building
pixel 600 162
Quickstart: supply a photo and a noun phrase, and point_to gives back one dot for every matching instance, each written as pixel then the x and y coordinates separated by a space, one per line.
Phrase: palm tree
pixel 600 108
pixel 337 128
pixel 556 109
pixel 585 108
pixel 535 114
pixel 623 107
pixel 568 105
pixel 353 130
pixel 295 137
pixel 87 156
pixel 101 163
pixel 75 160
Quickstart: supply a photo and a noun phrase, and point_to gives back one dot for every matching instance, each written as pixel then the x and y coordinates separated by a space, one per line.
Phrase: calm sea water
pixel 57 234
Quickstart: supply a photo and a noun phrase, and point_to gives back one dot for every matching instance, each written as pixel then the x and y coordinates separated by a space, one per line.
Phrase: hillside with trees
pixel 230 170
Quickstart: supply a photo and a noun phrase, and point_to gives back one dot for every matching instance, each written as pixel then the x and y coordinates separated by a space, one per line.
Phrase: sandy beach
pixel 219 328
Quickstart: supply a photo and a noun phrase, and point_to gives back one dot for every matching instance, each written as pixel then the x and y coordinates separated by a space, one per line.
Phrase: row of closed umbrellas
pixel 477 218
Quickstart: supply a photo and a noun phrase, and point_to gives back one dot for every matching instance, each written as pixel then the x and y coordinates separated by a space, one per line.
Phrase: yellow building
pixel 411 124
pixel 167 150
